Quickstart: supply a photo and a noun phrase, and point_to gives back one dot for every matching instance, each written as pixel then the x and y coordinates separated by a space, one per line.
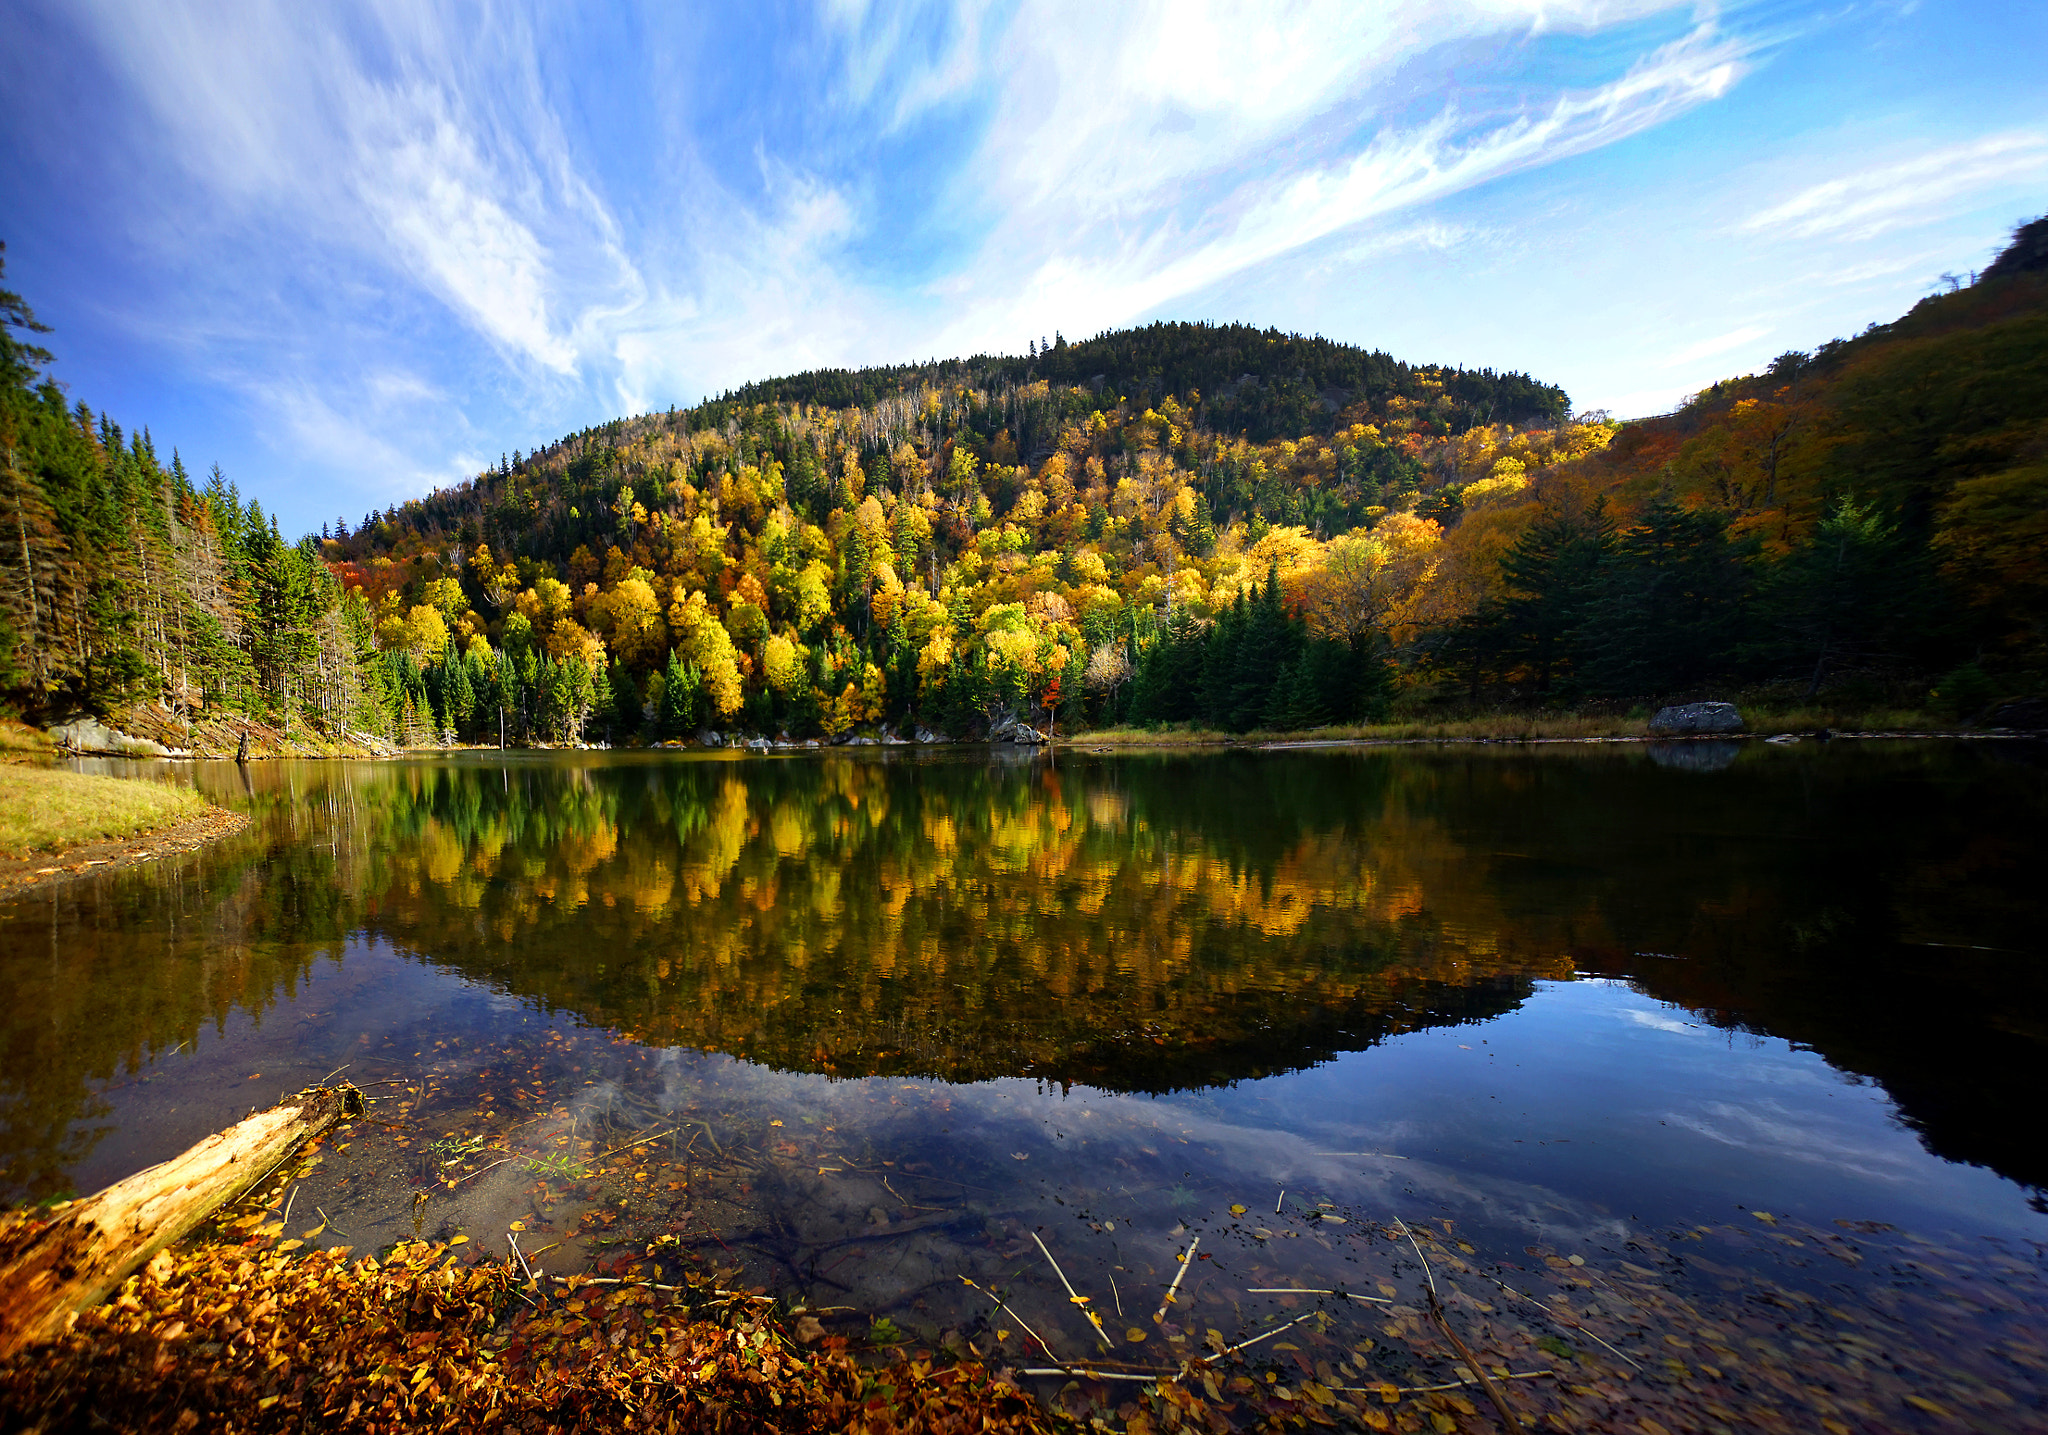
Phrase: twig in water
pixel 642 1141
pixel 1242 1344
pixel 1427 1389
pixel 1436 1311
pixel 1079 1300
pixel 1283 1290
pixel 1418 1253
pixel 481 1169
pixel 1086 1374
pixel 1278 1199
pixel 1014 1316
pixel 1117 1296
pixel 512 1239
pixel 1500 1404
pixel 285 1219
pixel 1187 1258
pixel 1561 1320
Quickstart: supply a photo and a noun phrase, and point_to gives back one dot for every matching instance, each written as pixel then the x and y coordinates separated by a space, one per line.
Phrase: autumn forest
pixel 1225 527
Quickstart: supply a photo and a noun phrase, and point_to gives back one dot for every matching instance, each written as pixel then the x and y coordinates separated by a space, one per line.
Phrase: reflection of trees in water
pixel 1129 928
pixel 1141 924
pixel 104 979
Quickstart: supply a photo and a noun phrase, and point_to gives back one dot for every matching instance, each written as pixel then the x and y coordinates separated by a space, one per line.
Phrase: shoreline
pixel 1252 742
pixel 42 871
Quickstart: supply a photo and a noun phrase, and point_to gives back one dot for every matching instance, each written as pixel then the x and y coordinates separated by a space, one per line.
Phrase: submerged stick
pixel 1187 1258
pixel 1079 1300
pixel 1014 1316
pixel 54 1264
pixel 1436 1312
pixel 1568 1324
pixel 1267 1335
pixel 1500 1404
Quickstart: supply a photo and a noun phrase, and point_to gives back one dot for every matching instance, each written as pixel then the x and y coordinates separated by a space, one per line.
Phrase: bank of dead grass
pixel 46 809
pixel 1519 727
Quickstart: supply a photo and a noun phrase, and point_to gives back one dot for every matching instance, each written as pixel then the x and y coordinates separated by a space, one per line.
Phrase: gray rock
pixel 1689 719
pixel 1026 734
pixel 90 735
pixel 2024 714
pixel 862 742
pixel 1003 731
pixel 1784 738
pixel 925 734
pixel 710 739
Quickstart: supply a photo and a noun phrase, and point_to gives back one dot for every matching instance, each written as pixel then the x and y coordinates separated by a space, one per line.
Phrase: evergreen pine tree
pixel 1669 606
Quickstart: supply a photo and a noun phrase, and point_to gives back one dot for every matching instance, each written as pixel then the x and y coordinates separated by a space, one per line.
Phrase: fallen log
pixel 60 1260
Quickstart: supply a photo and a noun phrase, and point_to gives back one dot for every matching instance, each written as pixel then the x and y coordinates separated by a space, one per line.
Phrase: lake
pixel 1705 1075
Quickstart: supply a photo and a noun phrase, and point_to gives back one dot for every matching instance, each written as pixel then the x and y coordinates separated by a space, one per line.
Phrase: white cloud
pixel 1919 190
pixel 1111 160
pixel 1094 261
pixel 1719 344
pixel 441 164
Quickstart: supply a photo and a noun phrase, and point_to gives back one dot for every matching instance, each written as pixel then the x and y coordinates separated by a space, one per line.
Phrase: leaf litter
pixel 575 1243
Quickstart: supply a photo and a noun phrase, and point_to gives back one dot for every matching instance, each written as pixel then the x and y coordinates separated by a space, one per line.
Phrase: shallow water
pixel 1738 1027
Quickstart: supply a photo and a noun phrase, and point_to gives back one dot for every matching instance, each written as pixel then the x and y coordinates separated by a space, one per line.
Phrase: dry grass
pixel 18 740
pixel 1499 727
pixel 1520 727
pixel 46 808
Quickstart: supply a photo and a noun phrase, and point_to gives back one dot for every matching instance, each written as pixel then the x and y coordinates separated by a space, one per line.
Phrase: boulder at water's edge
pixel 1690 719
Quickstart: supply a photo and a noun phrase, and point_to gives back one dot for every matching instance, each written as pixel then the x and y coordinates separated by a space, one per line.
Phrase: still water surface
pixel 1756 1033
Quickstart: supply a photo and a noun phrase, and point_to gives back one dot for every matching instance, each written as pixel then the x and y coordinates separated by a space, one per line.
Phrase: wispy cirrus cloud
pixel 1719 344
pixel 1915 190
pixel 540 217
pixel 1149 254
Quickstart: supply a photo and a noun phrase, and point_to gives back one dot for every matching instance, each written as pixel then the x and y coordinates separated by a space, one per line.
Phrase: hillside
pixel 1220 525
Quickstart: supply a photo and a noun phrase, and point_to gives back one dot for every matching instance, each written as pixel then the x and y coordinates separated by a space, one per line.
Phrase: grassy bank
pixel 1517 727
pixel 45 809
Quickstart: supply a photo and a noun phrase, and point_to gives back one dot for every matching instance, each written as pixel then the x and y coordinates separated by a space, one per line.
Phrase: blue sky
pixel 351 252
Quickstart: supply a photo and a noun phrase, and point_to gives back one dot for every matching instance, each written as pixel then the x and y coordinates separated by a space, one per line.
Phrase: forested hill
pixel 1181 523
pixel 1232 378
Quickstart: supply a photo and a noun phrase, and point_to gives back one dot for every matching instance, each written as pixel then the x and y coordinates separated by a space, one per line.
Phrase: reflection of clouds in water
pixel 1658 1021
pixel 1769 1127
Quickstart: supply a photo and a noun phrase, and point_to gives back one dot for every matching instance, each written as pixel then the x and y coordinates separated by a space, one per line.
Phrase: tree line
pixel 974 537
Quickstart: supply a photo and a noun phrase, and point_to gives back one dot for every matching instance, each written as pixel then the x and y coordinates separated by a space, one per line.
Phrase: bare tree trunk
pixel 55 1264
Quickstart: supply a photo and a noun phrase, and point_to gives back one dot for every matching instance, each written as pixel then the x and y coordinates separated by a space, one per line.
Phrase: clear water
pixel 853 1027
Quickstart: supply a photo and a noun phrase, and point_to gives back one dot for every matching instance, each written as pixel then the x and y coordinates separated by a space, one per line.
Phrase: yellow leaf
pixel 1002 1335
pixel 457 1240
pixel 1929 1406
pixel 1237 1210
pixel 519 1225
pixel 775 1123
pixel 315 1231
pixel 1134 1335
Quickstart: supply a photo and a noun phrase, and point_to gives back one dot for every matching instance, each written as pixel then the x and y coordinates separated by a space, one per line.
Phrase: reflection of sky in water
pixel 1389 936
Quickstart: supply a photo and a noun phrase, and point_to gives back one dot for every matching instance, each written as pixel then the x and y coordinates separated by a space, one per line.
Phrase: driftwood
pixel 57 1262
